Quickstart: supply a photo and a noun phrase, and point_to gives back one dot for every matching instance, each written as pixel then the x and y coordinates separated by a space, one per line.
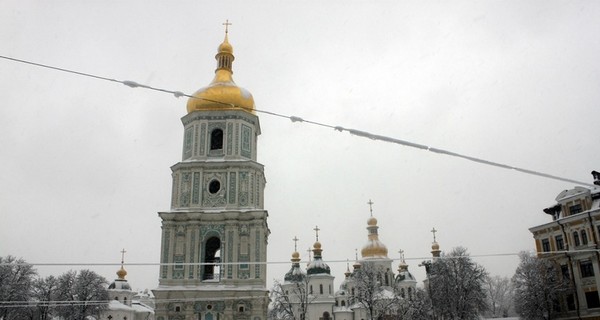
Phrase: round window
pixel 214 186
pixel 209 307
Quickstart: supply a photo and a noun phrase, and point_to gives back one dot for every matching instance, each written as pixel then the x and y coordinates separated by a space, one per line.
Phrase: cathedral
pixel 311 292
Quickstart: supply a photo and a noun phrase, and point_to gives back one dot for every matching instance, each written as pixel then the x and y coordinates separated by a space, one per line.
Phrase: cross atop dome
pixel 227 24
pixel 370 203
pixel 317 232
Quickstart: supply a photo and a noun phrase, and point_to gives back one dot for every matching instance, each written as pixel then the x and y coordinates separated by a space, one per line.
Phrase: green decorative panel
pixel 186 178
pixel 196 188
pixel 202 141
pixel 214 228
pixel 217 199
pixel 257 255
pixel 230 254
pixel 195 151
pixel 237 139
pixel 165 258
pixel 232 184
pixel 243 189
pixel 246 141
pixel 187 144
pixel 229 138
pixel 191 259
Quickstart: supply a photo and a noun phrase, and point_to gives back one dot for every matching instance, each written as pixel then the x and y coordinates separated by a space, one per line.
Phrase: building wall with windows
pixel 571 240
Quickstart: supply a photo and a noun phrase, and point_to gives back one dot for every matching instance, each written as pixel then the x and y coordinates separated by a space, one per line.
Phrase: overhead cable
pixel 359 133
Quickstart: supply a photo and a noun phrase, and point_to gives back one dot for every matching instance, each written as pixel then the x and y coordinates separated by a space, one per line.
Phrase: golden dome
pixel 222 93
pixel 435 246
pixel 121 273
pixel 372 221
pixel 374 248
pixel 317 245
pixel 295 255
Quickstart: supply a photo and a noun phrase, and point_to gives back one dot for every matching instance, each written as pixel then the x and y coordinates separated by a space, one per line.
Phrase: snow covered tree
pixel 415 307
pixel 500 296
pixel 457 286
pixel 369 292
pixel 16 278
pixel 538 284
pixel 81 294
pixel 43 291
pixel 290 301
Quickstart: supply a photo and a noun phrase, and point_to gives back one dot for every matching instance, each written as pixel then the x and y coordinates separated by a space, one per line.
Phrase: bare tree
pixel 500 296
pixel 16 278
pixel 44 292
pixel 290 300
pixel 539 284
pixel 369 292
pixel 81 294
pixel 456 286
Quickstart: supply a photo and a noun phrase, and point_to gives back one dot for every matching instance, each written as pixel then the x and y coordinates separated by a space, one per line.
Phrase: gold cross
pixel 433 231
pixel 123 255
pixel 295 243
pixel 370 203
pixel 227 24
pixel 317 232
pixel 309 251
pixel 401 252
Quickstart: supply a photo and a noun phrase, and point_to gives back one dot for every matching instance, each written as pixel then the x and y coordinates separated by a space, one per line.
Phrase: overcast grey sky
pixel 84 164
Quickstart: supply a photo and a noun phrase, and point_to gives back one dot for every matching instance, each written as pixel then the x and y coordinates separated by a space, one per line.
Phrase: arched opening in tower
pixel 216 139
pixel 212 258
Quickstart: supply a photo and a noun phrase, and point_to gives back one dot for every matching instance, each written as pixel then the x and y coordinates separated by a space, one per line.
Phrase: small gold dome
pixel 435 246
pixel 222 93
pixel 317 245
pixel 372 221
pixel 121 273
pixel 295 255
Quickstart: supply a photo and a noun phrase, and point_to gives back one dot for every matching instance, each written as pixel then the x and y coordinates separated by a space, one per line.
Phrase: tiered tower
pixel 214 238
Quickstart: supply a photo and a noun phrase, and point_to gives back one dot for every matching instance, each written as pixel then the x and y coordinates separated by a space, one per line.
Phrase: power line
pixel 364 134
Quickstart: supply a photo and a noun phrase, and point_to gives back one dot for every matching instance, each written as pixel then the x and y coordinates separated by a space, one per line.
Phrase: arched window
pixel 410 293
pixel 311 290
pixel 336 303
pixel 216 139
pixel 402 294
pixel 576 238
pixel 321 289
pixel 584 239
pixel 326 316
pixel 212 251
pixel 124 300
pixel 343 303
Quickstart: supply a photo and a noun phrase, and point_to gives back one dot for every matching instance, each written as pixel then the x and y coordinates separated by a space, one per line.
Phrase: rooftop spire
pixel 122 272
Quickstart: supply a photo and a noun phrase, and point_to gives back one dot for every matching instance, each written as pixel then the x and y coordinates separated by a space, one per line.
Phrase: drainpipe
pixel 571 273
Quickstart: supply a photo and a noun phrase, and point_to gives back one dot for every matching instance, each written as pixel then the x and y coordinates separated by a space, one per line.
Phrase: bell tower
pixel 214 237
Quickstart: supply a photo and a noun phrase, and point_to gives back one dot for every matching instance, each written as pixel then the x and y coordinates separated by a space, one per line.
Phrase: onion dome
pixel 120 283
pixel 222 93
pixel 374 248
pixel 317 265
pixel 295 274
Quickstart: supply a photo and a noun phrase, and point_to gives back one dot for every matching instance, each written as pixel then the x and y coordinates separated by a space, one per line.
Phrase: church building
pixel 214 237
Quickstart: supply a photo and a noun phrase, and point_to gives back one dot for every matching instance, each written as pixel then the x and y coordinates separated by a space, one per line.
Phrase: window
pixel 240 308
pixel 576 238
pixel 214 186
pixel 311 290
pixel 592 299
pixel 560 244
pixel 584 239
pixel 571 302
pixel 216 139
pixel 321 289
pixel 564 269
pixel 343 303
pixel 545 245
pixel 212 256
pixel 177 309
pixel 587 269
pixel 575 209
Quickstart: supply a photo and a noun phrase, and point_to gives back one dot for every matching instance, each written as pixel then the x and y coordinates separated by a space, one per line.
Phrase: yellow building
pixel 572 240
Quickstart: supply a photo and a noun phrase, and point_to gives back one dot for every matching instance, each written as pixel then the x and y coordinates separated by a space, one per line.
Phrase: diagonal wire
pixel 359 133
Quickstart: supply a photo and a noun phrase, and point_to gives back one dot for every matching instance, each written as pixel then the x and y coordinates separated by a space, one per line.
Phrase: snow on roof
pixel 118 306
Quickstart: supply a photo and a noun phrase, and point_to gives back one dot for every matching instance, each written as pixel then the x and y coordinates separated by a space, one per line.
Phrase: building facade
pixel 214 237
pixel 571 240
